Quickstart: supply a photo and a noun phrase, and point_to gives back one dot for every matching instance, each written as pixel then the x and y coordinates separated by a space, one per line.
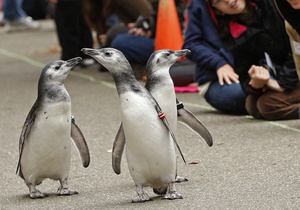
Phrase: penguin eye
pixel 56 67
pixel 108 54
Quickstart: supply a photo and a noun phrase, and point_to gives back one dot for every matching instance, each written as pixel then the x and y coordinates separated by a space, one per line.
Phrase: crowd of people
pixel 244 62
pixel 245 54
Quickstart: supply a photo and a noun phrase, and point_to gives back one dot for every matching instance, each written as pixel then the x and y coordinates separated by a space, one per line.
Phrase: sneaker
pixel 25 23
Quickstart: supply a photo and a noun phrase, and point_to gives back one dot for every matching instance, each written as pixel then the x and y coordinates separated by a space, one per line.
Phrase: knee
pixel 268 107
pixel 120 42
pixel 227 98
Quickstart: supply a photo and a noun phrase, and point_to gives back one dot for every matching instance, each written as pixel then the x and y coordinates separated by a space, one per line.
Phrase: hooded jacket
pixel 245 46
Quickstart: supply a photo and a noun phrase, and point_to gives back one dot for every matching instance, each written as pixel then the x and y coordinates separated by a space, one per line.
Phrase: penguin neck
pixel 126 81
pixel 159 73
pixel 53 93
pixel 159 78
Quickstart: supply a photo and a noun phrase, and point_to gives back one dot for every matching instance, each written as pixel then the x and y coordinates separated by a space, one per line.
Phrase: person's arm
pixel 260 79
pixel 287 76
pixel 202 38
pixel 274 85
pixel 199 26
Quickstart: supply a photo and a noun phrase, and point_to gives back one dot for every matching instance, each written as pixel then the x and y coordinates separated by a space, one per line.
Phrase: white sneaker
pixel 21 24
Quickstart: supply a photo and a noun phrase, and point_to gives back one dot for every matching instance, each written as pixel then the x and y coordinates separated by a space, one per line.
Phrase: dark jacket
pixel 210 52
pixel 290 14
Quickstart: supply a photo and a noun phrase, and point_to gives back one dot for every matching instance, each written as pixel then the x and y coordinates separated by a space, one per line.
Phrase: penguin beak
pixel 90 52
pixel 72 62
pixel 180 53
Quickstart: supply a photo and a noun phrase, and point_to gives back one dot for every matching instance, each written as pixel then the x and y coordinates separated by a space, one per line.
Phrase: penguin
pixel 150 148
pixel 45 140
pixel 160 84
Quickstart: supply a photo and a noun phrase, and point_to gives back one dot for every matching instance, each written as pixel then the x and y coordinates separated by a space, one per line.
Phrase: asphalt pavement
pixel 253 164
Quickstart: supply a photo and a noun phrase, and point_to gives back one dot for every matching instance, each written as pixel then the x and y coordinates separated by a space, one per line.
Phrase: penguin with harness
pixel 150 148
pixel 45 141
pixel 160 85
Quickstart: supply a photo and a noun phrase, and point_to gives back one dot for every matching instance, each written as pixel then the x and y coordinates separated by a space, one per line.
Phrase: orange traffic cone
pixel 168 31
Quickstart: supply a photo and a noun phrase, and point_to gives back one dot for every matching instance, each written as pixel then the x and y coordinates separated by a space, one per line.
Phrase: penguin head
pixel 164 59
pixel 112 59
pixel 57 71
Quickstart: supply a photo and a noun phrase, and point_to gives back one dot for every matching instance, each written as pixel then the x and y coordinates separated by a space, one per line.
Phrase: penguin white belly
pixel 167 104
pixel 47 151
pixel 149 147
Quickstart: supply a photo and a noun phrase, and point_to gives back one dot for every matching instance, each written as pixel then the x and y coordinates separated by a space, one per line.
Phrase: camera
pixel 142 22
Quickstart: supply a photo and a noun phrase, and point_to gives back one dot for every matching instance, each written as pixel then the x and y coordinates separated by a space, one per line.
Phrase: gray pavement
pixel 253 164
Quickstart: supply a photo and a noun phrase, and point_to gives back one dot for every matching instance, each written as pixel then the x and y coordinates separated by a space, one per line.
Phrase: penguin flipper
pixel 80 143
pixel 117 151
pixel 189 119
pixel 30 119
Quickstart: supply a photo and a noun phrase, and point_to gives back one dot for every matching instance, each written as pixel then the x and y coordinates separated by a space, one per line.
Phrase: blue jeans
pixel 136 49
pixel 12 9
pixel 227 98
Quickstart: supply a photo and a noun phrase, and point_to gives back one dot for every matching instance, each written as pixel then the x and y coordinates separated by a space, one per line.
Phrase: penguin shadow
pixel 153 198
pixel 157 198
pixel 50 195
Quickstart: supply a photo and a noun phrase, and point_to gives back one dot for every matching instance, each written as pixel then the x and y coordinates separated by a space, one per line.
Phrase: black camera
pixel 142 22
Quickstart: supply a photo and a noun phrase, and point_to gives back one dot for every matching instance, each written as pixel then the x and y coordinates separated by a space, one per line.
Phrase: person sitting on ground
pixel 111 17
pixel 138 44
pixel 241 53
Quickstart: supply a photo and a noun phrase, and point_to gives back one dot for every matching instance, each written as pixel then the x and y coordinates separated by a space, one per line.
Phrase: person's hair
pixel 223 20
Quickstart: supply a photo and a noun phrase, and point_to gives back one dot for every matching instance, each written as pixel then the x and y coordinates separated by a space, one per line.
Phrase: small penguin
pixel 45 141
pixel 150 149
pixel 159 84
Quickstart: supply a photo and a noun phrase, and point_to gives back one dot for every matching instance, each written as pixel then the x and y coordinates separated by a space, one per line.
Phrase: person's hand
pixel 138 31
pixel 259 76
pixel 226 73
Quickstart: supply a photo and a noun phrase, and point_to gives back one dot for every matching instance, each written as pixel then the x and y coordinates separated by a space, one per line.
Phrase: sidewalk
pixel 253 164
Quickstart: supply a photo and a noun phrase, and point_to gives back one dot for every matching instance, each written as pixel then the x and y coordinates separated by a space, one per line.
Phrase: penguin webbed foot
pixel 172 194
pixel 141 195
pixel 65 191
pixel 141 198
pixel 36 194
pixel 180 179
